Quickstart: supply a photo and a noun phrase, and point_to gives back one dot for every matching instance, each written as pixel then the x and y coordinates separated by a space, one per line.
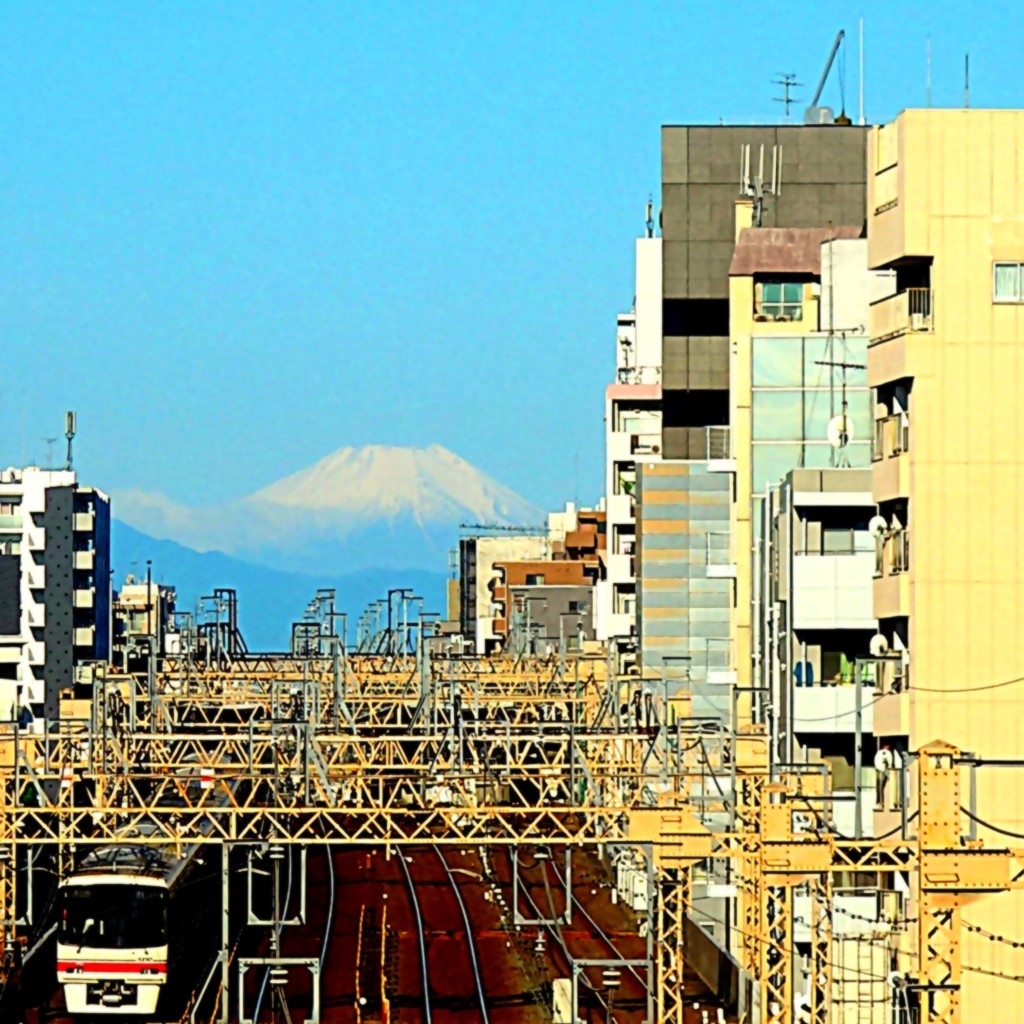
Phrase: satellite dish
pixel 877 526
pixel 839 431
pixel 879 646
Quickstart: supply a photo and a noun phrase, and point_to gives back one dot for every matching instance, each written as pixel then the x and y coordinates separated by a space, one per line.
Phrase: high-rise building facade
pixel 54 586
pixel 945 192
pixel 632 435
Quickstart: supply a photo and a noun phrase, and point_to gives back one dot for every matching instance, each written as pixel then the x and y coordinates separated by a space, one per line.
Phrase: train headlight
pixel 149 970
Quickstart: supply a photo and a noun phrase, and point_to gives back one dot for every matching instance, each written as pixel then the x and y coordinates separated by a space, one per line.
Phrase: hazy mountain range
pixel 360 520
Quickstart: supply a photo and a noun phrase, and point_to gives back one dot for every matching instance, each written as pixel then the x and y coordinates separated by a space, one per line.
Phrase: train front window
pixel 113 916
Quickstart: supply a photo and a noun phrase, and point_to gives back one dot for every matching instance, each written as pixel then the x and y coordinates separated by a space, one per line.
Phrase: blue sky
pixel 238 236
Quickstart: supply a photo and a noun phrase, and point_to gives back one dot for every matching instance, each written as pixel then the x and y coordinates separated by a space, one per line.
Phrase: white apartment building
pixel 633 420
pixel 54 585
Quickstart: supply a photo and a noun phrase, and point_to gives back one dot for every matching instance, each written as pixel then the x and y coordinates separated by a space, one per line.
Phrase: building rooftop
pixel 784 250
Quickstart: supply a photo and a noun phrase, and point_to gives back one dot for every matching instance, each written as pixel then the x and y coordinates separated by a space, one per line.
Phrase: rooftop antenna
pixel 70 425
pixel 787 79
pixel 840 428
pixel 50 442
pixel 755 187
pixel 967 80
pixel 649 215
pixel 860 119
pixel 928 73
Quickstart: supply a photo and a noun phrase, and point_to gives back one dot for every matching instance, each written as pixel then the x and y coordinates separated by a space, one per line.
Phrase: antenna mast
pixel 70 425
pixel 788 82
pixel 840 457
pixel 860 119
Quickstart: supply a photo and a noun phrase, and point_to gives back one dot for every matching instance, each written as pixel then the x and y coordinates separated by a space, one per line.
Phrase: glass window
pixel 782 299
pixel 771 462
pixel 819 409
pixel 777 415
pixel 844 350
pixel 535 579
pixel 114 916
pixel 1006 282
pixel 777 362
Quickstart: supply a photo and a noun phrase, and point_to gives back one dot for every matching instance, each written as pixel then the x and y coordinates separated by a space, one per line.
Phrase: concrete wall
pixel 823 179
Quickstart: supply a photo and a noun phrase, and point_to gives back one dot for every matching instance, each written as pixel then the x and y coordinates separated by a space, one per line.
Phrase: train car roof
pixel 156 862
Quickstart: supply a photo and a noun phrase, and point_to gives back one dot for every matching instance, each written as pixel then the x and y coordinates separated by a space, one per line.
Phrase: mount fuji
pixel 359 508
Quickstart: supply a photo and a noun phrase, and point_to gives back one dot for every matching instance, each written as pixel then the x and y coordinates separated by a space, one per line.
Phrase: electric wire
pixel 469 935
pixel 420 935
pixel 987 824
pixel 330 906
pixel 605 938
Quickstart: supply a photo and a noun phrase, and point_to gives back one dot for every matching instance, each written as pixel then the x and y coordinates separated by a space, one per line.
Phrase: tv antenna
pixel 787 80
pixel 50 442
pixel 840 428
pixel 649 216
pixel 70 426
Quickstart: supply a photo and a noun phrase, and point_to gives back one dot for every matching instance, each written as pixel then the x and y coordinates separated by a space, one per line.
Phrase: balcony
pixel 85 560
pixel 85 636
pixel 892 437
pixel 891 586
pixel 645 444
pixel 720 661
pixel 84 522
pixel 11 523
pixel 834 591
pixel 638 375
pixel 620 508
pixel 719 451
pixel 906 312
pixel 85 599
pixel 891 476
pixel 35 615
pixel 720 561
pixel 36 577
pixel 824 708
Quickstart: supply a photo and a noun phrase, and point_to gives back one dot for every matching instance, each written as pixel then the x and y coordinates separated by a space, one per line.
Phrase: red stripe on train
pixel 104 967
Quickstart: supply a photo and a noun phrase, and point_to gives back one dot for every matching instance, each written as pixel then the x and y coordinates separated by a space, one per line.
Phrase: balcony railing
pixel 892 552
pixel 836 541
pixel 906 312
pixel 639 375
pixel 718 549
pixel 645 444
pixel 892 436
pixel 719 443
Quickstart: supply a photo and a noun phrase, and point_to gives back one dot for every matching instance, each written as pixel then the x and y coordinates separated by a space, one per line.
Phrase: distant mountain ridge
pixel 376 507
pixel 269 599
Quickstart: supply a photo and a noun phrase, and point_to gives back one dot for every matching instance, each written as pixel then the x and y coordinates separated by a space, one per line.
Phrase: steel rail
pixel 415 903
pixel 469 936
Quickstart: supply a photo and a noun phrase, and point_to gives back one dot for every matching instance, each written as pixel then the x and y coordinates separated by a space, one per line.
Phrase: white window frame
pixel 1019 297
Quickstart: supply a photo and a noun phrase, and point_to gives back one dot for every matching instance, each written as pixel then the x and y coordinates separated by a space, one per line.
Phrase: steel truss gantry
pixel 477 752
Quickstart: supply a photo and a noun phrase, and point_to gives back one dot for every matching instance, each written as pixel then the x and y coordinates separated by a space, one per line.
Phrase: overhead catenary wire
pixel 988 824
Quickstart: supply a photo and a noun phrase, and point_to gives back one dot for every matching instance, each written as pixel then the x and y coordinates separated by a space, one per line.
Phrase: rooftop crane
pixel 815 114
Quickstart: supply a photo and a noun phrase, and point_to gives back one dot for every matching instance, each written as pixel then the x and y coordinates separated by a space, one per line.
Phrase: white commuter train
pixel 127 918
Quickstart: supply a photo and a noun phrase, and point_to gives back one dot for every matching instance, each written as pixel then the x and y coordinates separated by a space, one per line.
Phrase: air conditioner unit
pixel 918 321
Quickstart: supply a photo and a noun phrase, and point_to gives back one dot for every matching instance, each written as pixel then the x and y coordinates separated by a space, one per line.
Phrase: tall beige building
pixel 946 360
